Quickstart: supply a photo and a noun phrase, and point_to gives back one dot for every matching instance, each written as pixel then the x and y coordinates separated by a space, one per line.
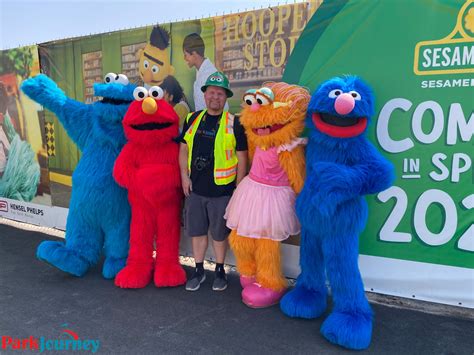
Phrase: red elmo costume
pixel 148 167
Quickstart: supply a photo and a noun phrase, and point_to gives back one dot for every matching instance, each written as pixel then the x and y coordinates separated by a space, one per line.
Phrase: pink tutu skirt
pixel 258 210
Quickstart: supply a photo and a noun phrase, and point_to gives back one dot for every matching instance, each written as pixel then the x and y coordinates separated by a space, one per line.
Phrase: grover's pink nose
pixel 254 107
pixel 344 104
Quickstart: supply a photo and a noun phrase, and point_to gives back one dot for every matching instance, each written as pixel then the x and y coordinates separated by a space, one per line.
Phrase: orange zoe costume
pixel 261 212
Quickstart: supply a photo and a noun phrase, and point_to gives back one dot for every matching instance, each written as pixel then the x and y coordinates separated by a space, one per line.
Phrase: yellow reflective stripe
pixel 190 129
pixel 229 124
pixel 225 173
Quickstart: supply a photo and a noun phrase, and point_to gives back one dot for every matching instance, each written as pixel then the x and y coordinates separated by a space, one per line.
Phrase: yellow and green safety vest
pixel 225 159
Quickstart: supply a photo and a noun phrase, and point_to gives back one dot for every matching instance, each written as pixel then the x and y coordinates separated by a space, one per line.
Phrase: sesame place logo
pixel 453 54
pixel 68 340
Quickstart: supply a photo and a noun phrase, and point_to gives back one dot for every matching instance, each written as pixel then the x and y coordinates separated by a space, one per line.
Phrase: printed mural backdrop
pixel 419 241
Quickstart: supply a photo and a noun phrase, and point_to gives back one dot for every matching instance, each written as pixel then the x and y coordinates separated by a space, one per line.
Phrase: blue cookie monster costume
pixel 99 212
pixel 341 167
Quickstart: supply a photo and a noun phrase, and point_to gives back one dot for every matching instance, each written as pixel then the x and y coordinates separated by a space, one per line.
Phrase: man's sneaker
pixel 220 282
pixel 195 282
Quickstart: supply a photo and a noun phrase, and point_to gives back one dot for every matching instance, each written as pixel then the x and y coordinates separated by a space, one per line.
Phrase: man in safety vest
pixel 213 159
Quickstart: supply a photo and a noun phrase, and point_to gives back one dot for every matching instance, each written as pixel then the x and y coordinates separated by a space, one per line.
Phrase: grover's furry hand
pixel 331 184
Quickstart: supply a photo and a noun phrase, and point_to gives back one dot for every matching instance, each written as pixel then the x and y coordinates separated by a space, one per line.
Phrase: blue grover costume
pixel 99 213
pixel 342 166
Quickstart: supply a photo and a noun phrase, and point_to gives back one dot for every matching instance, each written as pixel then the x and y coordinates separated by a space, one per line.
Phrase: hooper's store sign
pixel 268 33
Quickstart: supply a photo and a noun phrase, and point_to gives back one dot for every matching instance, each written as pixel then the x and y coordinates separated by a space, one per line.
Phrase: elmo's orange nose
pixel 149 106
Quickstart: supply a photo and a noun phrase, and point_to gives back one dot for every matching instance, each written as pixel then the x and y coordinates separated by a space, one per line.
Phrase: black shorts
pixel 204 214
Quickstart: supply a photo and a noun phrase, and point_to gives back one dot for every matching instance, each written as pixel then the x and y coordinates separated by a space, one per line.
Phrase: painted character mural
pixel 154 64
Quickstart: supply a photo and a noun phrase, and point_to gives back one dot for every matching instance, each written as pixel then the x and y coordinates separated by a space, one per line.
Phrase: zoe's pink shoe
pixel 246 280
pixel 257 296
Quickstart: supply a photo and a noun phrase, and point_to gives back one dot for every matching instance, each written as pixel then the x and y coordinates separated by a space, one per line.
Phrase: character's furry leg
pixel 268 259
pixel 81 250
pixel 244 252
pixel 138 271
pixel 270 283
pixel 350 323
pixel 116 246
pixel 309 297
pixel 168 270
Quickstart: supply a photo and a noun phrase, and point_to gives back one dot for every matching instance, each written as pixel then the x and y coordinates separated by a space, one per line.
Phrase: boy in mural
pixel 193 50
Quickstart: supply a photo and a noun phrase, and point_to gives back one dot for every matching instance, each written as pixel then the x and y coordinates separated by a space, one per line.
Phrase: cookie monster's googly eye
pixel 334 93
pixel 263 100
pixel 155 69
pixel 110 78
pixel 156 92
pixel 146 64
pixel 121 79
pixel 250 99
pixel 355 95
pixel 267 92
pixel 140 93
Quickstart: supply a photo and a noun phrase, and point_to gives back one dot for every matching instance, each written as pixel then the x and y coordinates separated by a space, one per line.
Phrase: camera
pixel 201 163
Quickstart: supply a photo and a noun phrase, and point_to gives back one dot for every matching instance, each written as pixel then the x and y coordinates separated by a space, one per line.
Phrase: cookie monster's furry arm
pixel 293 162
pixel 74 115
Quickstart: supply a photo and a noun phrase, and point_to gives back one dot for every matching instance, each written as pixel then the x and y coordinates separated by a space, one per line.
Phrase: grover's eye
pixel 355 95
pixel 334 93
pixel 155 69
pixel 156 92
pixel 140 93
pixel 109 78
pixel 262 100
pixel 249 99
pixel 121 79
pixel 146 64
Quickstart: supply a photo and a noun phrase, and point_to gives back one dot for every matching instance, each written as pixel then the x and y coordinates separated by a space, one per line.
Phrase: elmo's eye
pixel 262 100
pixel 109 78
pixel 355 95
pixel 140 93
pixel 249 99
pixel 156 92
pixel 334 93
pixel 121 79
